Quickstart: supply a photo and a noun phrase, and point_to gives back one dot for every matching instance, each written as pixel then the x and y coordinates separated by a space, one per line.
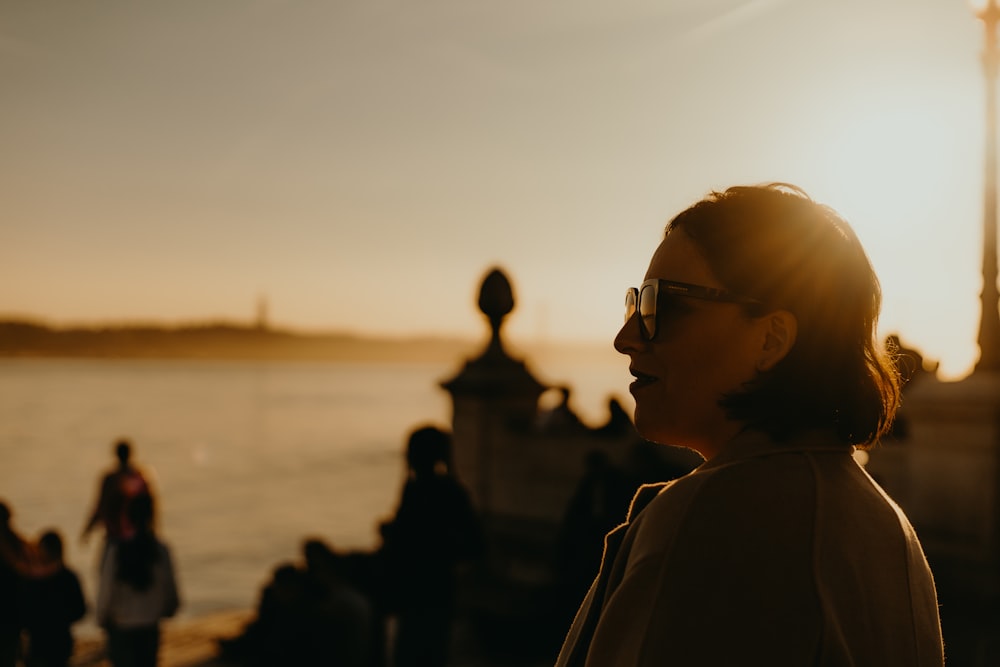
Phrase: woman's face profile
pixel 702 351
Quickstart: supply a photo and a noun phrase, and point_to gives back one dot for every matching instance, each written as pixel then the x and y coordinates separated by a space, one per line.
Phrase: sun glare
pixel 906 171
pixel 910 148
pixel 979 6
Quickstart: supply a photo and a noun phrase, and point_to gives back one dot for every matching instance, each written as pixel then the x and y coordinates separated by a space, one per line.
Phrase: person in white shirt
pixel 138 588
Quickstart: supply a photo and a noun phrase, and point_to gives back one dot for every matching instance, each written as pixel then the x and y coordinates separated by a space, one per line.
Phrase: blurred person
pixel 344 615
pixel 597 505
pixel 618 424
pixel 53 603
pixel 13 563
pixel 561 419
pixel 314 615
pixel 435 529
pixel 119 487
pixel 752 341
pixel 282 630
pixel 138 588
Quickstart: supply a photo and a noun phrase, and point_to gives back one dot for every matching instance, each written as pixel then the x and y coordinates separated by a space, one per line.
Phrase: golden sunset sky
pixel 362 164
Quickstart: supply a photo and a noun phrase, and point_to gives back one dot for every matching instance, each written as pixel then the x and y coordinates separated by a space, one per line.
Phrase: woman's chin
pixel 661 435
pixel 654 432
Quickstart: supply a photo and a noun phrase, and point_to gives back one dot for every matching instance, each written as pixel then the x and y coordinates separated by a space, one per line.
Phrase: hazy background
pixel 361 164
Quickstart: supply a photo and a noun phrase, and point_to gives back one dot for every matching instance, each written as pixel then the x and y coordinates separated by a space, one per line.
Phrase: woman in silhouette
pixel 138 588
pixel 435 529
pixel 13 566
pixel 752 341
pixel 54 602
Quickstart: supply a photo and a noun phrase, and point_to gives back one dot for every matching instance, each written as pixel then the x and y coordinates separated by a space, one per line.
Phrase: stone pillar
pixel 494 394
pixel 946 476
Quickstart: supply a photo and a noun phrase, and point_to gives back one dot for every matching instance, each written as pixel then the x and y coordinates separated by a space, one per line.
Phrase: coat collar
pixel 754 444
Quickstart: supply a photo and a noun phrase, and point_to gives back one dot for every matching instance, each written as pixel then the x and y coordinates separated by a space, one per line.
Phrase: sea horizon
pixel 248 457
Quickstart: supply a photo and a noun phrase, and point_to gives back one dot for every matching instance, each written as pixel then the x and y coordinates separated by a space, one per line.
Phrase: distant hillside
pixel 218 341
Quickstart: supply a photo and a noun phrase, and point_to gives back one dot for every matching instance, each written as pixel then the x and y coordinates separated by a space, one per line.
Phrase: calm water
pixel 247 457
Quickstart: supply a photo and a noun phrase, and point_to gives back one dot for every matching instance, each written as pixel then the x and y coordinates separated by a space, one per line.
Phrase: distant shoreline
pixel 25 339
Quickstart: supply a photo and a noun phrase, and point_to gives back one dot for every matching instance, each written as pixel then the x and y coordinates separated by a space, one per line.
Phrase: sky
pixel 361 165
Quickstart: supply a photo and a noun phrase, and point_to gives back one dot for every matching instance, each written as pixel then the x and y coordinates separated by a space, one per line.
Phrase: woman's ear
pixel 780 330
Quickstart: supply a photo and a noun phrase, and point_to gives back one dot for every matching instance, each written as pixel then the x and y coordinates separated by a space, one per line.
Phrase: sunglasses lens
pixel 630 297
pixel 647 309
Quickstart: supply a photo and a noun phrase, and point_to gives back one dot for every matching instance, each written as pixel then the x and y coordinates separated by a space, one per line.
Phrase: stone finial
pixel 496 300
pixel 494 374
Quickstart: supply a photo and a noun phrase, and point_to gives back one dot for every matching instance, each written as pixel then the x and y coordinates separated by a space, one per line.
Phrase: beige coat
pixel 765 555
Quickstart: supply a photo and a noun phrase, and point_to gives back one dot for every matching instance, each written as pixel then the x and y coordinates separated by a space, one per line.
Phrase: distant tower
pixel 946 473
pixel 262 323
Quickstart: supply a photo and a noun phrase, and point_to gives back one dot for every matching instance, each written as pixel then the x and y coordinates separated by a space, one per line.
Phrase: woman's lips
pixel 641 380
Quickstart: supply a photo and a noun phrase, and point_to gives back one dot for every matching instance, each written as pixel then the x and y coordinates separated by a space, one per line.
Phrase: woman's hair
pixel 775 244
pixel 138 555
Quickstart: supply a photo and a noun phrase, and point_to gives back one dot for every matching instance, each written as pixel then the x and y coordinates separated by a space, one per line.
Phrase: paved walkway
pixel 185 642
pixel 192 643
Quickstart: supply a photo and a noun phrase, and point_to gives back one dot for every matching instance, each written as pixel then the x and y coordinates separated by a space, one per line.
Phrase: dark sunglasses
pixel 645 298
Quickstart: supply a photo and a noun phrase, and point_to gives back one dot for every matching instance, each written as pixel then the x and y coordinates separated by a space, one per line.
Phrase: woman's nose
pixel 629 337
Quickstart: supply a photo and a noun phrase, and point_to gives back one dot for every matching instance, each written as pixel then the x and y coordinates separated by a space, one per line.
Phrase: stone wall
pixel 945 474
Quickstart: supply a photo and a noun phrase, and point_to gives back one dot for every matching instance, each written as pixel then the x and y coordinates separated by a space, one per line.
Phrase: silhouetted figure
pixel 599 503
pixel 314 615
pixel 118 489
pixel 434 530
pixel 618 424
pixel 281 633
pixel 13 558
pixel 54 602
pixel 343 615
pixel 138 588
pixel 561 419
pixel 368 574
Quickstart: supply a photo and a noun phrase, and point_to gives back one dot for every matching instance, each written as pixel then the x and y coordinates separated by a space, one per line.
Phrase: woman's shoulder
pixel 764 491
pixel 739 511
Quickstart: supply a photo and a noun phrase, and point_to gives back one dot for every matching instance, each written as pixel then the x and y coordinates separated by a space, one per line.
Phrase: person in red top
pixel 118 489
